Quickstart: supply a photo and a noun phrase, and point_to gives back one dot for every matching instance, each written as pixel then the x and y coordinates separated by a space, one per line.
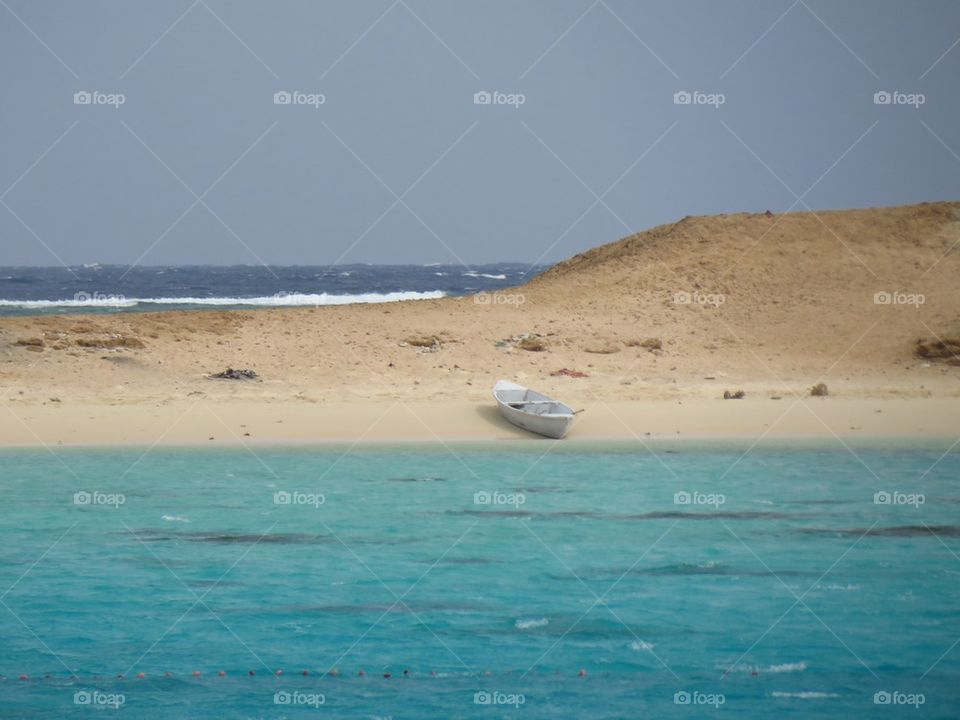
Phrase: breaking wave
pixel 530 624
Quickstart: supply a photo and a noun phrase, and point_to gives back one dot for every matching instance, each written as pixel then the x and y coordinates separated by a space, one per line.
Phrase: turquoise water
pixel 781 589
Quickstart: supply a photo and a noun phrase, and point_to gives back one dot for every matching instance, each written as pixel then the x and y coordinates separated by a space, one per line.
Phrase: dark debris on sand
pixel 231 374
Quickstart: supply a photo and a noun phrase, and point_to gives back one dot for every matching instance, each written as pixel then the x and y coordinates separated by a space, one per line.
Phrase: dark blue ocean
pixel 115 288
pixel 799 580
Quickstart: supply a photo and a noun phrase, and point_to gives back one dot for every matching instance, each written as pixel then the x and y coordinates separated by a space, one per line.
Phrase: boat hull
pixel 551 427
pixel 532 411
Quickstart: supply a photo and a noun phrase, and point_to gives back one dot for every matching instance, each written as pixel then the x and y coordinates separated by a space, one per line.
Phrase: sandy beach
pixel 645 334
pixel 258 423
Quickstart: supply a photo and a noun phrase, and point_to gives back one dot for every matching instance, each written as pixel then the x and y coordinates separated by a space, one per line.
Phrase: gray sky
pixel 400 165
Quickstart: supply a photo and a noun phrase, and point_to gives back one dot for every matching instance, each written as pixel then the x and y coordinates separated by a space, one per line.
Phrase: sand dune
pixel 770 304
pixel 796 292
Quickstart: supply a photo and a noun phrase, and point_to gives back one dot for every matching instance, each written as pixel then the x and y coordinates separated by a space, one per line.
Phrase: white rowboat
pixel 531 410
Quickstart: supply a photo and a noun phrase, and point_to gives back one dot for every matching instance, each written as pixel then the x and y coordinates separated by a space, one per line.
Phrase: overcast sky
pixel 587 142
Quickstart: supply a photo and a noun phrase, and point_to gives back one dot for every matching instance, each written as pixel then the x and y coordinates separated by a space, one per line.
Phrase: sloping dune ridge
pixel 768 304
pixel 795 290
